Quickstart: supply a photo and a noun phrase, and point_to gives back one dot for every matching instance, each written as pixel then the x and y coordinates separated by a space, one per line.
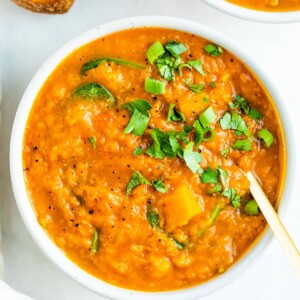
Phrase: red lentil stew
pixel 269 5
pixel 135 155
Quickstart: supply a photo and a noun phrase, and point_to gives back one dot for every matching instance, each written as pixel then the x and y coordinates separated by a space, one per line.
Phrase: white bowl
pixel 26 210
pixel 254 15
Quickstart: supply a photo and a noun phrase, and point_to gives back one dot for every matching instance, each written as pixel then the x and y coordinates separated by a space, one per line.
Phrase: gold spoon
pixel 274 222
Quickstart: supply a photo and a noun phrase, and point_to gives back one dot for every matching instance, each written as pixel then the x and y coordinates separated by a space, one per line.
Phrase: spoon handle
pixel 275 223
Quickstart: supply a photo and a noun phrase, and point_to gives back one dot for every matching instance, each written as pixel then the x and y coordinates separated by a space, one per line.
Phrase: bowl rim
pixel 254 15
pixel 48 247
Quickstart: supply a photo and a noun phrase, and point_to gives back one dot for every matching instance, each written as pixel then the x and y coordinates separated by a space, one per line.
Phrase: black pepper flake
pixel 149 201
pixel 154 98
pixel 36 160
pixel 76 225
pixel 34 148
pixel 123 219
pixel 91 211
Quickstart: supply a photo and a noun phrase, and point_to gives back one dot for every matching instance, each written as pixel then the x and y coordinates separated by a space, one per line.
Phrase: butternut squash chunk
pixel 180 206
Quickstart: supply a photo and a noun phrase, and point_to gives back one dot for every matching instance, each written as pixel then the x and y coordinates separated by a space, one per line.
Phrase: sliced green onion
pixel 207 117
pixel 243 145
pixel 209 134
pixel 175 48
pixel 155 87
pixel 213 50
pixel 197 88
pixel 155 51
pixel 266 136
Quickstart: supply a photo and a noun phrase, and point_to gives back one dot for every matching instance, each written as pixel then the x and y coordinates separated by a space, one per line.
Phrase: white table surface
pixel 27 39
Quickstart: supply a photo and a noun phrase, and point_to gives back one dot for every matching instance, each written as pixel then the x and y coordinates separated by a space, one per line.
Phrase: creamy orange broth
pixel 269 5
pixel 75 188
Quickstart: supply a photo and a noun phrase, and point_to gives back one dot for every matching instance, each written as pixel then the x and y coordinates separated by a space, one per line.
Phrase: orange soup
pixel 269 5
pixel 135 155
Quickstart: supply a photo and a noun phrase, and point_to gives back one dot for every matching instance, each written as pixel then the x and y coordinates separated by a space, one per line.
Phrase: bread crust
pixel 46 6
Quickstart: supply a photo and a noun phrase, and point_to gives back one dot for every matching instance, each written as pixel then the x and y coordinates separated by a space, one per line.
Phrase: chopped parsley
pixel 225 152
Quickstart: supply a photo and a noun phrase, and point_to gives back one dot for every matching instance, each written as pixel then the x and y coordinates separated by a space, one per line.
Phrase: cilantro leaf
pixel 197 65
pixel 210 176
pixel 225 121
pixel 159 185
pixel 225 152
pixel 153 218
pixel 232 194
pixel 139 120
pixel 255 115
pixel 93 90
pixel 197 88
pixel 174 114
pixel 217 188
pixel 191 158
pixel 223 176
pixel 136 179
pixel 137 151
pixel 155 149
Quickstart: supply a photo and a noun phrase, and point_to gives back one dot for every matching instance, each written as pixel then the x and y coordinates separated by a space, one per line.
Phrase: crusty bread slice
pixel 46 6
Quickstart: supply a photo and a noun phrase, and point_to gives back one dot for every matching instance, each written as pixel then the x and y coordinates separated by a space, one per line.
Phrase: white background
pixel 27 40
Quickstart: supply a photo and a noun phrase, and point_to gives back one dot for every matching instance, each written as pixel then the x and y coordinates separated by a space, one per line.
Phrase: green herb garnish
pixel 217 188
pixel 197 65
pixel 95 243
pixel 159 185
pixel 95 63
pixel 225 121
pixel 232 194
pixel 213 50
pixel 213 84
pixel 174 114
pixel 210 176
pixel 207 117
pixel 175 48
pixel 155 51
pixel 251 208
pixel 139 110
pixel 93 91
pixel 155 87
pixel 136 179
pixel 255 115
pixel 266 136
pixel 225 152
pixel 191 158
pixel 137 151
pixel 243 145
pixel 92 140
pixel 153 218
pixel 197 88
